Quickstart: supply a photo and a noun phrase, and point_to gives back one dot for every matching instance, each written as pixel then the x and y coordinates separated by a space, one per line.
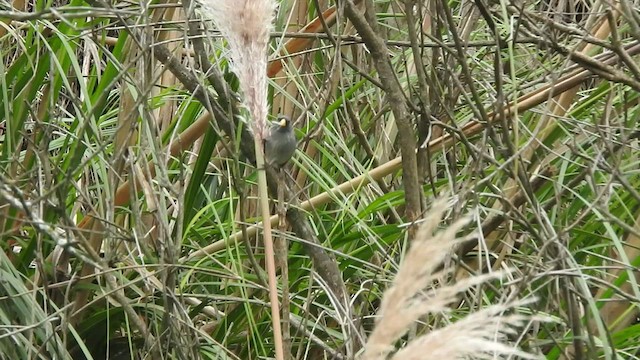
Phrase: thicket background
pixel 127 190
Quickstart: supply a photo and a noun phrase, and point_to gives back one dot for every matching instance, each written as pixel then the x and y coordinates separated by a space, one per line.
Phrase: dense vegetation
pixel 129 220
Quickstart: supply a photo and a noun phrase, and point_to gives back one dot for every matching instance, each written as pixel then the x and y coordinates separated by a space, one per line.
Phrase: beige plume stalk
pixel 246 25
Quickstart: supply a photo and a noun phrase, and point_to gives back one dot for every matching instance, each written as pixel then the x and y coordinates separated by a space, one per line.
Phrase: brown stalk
pixel 380 56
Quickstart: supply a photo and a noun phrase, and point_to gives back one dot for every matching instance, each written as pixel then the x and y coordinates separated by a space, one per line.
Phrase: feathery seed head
pixel 480 335
pixel 246 25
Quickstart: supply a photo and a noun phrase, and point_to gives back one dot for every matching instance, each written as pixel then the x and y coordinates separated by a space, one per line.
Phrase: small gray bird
pixel 281 143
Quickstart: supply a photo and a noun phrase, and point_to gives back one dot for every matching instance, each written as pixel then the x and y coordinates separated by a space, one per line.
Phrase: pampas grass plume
pixel 246 25
pixel 412 294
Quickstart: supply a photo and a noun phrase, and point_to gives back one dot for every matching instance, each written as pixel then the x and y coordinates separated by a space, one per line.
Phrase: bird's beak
pixel 283 123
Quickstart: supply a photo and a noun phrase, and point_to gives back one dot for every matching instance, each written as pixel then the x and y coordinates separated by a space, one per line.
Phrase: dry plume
pixel 246 25
pixel 413 294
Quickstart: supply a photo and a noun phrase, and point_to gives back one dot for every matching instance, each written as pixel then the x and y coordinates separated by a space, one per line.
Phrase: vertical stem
pixel 268 247
pixel 406 137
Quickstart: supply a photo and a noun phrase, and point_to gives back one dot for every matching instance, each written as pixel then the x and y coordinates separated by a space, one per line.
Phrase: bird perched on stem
pixel 280 145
